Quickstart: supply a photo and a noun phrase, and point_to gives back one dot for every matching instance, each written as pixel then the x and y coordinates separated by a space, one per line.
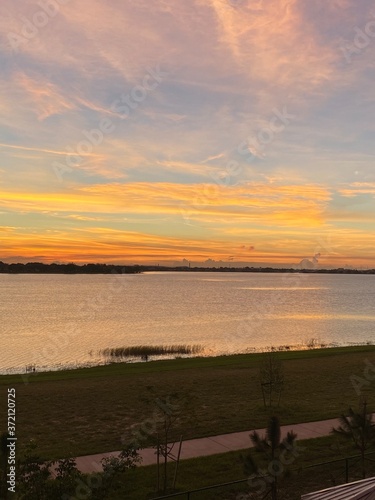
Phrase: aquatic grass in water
pixel 151 350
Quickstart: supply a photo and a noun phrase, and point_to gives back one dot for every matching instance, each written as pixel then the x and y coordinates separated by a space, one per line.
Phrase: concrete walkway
pixel 194 448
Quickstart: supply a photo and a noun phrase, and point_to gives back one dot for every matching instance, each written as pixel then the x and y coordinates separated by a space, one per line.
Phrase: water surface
pixel 55 321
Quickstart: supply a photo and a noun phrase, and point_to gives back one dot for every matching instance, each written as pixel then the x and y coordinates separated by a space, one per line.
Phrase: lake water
pixel 56 321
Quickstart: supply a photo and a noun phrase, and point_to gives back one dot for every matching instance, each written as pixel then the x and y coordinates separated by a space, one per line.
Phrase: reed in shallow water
pixel 151 350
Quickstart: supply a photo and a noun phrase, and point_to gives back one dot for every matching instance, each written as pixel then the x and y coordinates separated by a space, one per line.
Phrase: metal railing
pixel 188 494
pixel 198 490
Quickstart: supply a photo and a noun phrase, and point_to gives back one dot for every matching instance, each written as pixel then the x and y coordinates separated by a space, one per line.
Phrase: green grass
pixel 207 471
pixel 78 412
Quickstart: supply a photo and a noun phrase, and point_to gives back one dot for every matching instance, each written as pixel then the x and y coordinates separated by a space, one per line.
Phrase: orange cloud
pixel 106 245
pixel 82 244
pixel 103 244
pixel 218 209
pixel 288 205
pixel 42 96
pixel 272 42
pixel 357 188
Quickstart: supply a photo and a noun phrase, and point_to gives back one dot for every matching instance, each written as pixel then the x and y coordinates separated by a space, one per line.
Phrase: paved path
pixel 193 448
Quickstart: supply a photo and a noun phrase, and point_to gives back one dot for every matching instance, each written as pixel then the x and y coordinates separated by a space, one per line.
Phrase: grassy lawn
pixel 198 473
pixel 91 410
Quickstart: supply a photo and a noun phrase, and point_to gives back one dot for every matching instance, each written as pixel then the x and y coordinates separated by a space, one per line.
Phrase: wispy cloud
pixel 44 97
pixel 358 188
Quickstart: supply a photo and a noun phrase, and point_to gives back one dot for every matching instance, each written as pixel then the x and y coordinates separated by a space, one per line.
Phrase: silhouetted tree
pixel 358 427
pixel 113 471
pixel 271 378
pixel 277 452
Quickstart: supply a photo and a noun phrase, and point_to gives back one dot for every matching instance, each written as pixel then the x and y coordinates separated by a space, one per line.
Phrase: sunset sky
pixel 152 131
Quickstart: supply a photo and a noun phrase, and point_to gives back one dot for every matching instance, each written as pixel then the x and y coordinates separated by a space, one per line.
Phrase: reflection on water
pixel 299 288
pixel 330 317
pixel 54 321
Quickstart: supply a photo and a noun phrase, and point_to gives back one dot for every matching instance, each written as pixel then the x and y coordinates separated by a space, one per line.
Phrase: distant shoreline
pixel 41 268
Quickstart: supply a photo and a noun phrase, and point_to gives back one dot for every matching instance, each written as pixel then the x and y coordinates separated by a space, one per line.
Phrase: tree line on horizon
pixel 99 268
pixel 71 268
